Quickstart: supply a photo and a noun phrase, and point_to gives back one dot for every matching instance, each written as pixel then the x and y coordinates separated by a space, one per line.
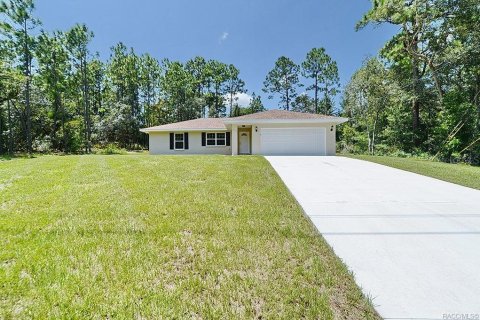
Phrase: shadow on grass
pixel 6 157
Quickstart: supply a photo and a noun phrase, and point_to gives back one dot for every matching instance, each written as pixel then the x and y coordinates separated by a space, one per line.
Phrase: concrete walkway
pixel 412 242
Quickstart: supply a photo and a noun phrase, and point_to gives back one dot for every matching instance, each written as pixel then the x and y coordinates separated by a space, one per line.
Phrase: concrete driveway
pixel 412 242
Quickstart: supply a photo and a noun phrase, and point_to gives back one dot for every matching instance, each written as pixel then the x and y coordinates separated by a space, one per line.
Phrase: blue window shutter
pixel 171 141
pixel 228 138
pixel 185 135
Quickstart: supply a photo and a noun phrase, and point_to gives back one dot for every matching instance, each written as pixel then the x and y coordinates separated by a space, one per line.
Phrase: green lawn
pixel 149 237
pixel 461 174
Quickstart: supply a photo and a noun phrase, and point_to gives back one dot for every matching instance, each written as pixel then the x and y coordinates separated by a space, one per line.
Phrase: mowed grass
pixel 150 237
pixel 465 175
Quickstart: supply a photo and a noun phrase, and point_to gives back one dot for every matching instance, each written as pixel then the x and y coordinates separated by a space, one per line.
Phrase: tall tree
pixel 96 79
pixel 283 80
pixel 179 93
pixel 78 39
pixel 217 75
pixel 233 86
pixel 18 27
pixel 256 104
pixel 366 98
pixel 54 66
pixel 150 73
pixel 11 82
pixel 320 67
pixel 124 71
pixel 197 67
pixel 303 103
pixel 408 49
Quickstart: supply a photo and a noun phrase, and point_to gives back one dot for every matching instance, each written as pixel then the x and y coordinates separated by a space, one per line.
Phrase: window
pixel 211 139
pixel 220 139
pixel 216 139
pixel 179 141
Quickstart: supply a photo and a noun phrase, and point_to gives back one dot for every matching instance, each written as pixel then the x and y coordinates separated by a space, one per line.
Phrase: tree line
pixel 421 95
pixel 318 70
pixel 57 95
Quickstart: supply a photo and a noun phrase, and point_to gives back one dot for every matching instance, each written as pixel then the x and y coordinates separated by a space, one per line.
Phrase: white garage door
pixel 292 141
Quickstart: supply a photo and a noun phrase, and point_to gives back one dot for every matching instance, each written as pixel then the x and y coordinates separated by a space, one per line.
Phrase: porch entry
pixel 244 142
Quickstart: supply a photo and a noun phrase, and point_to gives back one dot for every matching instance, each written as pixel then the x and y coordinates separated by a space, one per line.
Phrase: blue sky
pixel 251 34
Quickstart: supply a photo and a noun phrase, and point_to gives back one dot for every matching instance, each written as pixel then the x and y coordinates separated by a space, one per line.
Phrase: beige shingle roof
pixel 196 124
pixel 282 114
pixel 219 123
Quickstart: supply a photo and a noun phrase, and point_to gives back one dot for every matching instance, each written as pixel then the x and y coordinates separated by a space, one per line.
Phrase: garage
pixel 293 141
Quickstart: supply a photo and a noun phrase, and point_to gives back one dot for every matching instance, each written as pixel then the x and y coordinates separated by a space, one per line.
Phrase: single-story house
pixel 273 132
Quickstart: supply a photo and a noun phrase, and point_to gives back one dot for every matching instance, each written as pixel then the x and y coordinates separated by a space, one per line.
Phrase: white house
pixel 273 132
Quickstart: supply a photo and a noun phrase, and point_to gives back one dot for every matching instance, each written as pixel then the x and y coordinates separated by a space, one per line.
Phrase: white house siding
pixel 330 147
pixel 159 143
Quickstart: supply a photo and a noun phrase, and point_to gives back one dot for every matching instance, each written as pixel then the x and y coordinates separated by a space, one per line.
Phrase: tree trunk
pixel 438 85
pixel 84 106
pixel 373 137
pixel 415 110
pixel 416 114
pixel 288 100
pixel 1 134
pixel 28 120
pixel 231 103
pixel 325 109
pixel 55 103
pixel 476 98
pixel 86 103
pixel 89 122
pixel 316 93
pixel 64 134
pixel 415 81
pixel 54 127
pixel 369 142
pixel 10 129
pixel 415 102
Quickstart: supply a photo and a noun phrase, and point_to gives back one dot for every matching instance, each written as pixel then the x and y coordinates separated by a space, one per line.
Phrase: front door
pixel 244 142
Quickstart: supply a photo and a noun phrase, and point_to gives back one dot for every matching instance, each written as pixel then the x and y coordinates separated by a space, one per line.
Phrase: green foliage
pixel 303 103
pixel 72 100
pixel 110 149
pixel 283 80
pixel 73 132
pixel 217 75
pixel 16 29
pixel 431 81
pixel 54 67
pixel 77 41
pixel 180 93
pixel 124 75
pixel 150 74
pixel 421 97
pixel 256 104
pixel 456 121
pixel 320 67
pixel 119 125
pixel 366 98
pixel 352 140
pixel 234 85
